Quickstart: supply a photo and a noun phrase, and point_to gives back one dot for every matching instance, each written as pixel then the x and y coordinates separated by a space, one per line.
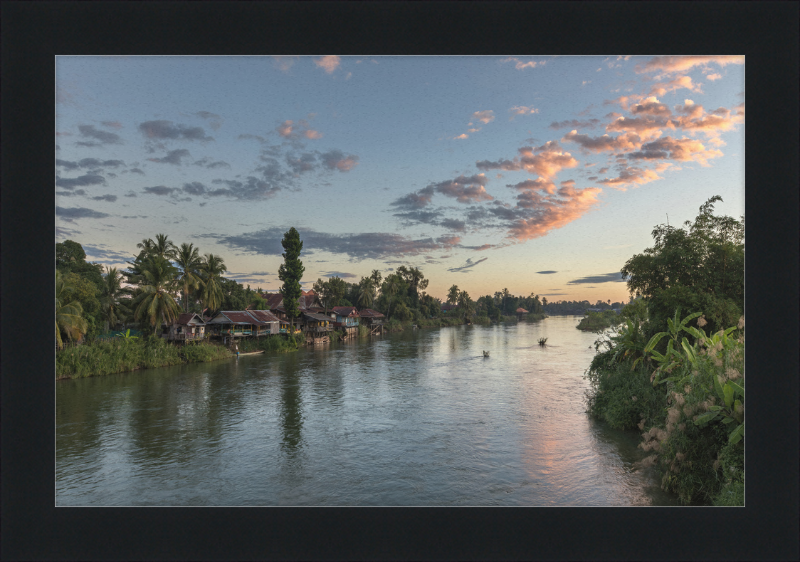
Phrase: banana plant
pixel 673 359
pixel 127 335
pixel 732 410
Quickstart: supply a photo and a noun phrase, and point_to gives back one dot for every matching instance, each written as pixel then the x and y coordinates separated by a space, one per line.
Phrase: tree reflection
pixel 291 410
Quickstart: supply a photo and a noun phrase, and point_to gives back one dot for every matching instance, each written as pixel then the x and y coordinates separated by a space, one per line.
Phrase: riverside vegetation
pixel 164 280
pixel 679 378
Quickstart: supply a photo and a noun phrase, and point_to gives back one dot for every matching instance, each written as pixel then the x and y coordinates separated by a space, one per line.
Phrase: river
pixel 418 418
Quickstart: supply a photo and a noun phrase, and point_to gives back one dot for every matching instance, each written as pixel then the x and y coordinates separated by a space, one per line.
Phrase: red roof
pixel 521 310
pixel 240 317
pixel 263 315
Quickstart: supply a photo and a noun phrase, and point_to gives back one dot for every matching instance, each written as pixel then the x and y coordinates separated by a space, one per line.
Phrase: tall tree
pixel 69 315
pixel 322 290
pixel 163 247
pixel 376 278
pixel 391 286
pixel 110 296
pixel 189 261
pixel 366 293
pixel 452 294
pixel 155 304
pixel 291 272
pixel 211 270
pixel 465 304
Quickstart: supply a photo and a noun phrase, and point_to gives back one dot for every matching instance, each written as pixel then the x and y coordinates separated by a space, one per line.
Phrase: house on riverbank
pixel 186 327
pixel 373 320
pixel 345 320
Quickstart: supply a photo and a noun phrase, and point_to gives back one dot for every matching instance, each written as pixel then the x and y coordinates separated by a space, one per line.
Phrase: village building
pixel 316 327
pixel 521 312
pixel 373 320
pixel 346 319
pixel 270 324
pixel 186 327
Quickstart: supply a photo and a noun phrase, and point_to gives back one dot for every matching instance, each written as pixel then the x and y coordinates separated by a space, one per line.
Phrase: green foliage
pixel 291 272
pixel 129 354
pixel 597 321
pixel 275 342
pixel 69 314
pixel 623 397
pixel 212 293
pixel 698 268
pixel 154 304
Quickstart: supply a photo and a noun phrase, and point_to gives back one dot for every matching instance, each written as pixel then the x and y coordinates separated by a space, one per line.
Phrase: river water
pixel 418 418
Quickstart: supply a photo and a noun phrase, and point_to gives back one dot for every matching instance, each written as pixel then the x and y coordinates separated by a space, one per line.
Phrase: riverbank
pixel 111 357
pixel 596 321
pixel 122 355
pixel 689 406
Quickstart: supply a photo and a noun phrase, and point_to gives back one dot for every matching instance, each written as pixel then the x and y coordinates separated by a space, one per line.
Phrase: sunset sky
pixel 534 173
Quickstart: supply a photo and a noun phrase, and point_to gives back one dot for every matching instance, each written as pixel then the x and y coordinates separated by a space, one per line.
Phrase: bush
pixel 597 321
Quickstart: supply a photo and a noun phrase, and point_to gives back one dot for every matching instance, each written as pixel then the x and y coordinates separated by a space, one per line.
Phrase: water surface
pixel 419 418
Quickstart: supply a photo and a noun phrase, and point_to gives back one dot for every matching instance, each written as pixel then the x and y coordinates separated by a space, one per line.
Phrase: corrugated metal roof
pixel 316 317
pixel 263 315
pixel 369 313
pixel 240 317
pixel 186 317
pixel 346 311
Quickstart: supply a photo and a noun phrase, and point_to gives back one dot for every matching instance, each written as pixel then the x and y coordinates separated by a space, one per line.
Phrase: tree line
pixel 165 279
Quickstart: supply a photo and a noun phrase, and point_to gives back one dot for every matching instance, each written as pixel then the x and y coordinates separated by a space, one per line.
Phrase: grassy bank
pixel 688 402
pixel 277 342
pixel 108 357
pixel 597 321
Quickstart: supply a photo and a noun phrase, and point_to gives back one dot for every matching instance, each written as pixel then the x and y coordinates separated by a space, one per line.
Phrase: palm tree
pixel 366 293
pixel 189 261
pixel 110 293
pixel 211 269
pixel 465 304
pixel 146 244
pixel 452 294
pixel 69 316
pixel 163 247
pixel 390 288
pixel 155 300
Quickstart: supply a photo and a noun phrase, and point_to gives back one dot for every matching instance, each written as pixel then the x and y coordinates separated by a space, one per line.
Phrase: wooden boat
pixel 249 353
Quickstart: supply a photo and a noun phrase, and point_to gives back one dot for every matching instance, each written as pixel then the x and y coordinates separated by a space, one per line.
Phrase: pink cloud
pixel 677 149
pixel 284 63
pixel 714 76
pixel 519 65
pixel 537 184
pixel 545 164
pixel 646 127
pixel 632 176
pixel 462 136
pixel 680 82
pixel 605 143
pixel 328 63
pixel 695 119
pixel 484 117
pixel 312 134
pixel 683 63
pixel 522 110
pixel 285 128
pixel 548 212
pixel 651 106
pixel 465 189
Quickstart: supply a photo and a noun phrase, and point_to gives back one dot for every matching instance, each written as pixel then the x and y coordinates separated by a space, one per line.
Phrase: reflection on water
pixel 417 418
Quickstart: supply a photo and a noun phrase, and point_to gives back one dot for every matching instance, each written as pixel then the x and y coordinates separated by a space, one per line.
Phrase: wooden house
pixel 372 319
pixel 186 327
pixel 233 324
pixel 345 319
pixel 520 313
pixel 269 323
pixel 316 327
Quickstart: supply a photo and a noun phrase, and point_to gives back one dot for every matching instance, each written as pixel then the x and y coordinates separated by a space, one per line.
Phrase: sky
pixel 539 174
